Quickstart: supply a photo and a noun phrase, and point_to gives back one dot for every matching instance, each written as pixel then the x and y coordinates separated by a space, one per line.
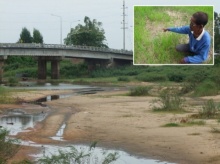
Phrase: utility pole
pixel 124 24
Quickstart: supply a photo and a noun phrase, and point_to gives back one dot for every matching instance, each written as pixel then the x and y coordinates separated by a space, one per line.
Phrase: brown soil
pixel 127 123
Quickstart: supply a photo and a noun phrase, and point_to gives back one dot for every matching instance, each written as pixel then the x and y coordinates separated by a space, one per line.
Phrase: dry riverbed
pixel 122 122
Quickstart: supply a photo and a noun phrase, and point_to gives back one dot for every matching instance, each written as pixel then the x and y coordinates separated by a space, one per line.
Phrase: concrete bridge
pixel 54 53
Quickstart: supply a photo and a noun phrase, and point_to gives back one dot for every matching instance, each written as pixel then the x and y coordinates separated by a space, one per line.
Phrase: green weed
pixel 5 96
pixel 78 157
pixel 210 110
pixel 194 134
pixel 8 147
pixel 170 102
pixel 140 91
pixel 126 79
pixel 193 123
pixel 171 125
pixel 206 88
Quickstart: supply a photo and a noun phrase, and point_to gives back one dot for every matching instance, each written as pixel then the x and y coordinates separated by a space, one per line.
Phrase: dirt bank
pixel 128 123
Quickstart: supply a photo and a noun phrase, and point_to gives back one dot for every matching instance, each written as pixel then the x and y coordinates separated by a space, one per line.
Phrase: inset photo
pixel 173 35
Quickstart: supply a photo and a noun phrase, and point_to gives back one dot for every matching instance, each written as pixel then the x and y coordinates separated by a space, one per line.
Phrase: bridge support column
pixel 2 58
pixel 55 69
pixel 1 70
pixel 42 68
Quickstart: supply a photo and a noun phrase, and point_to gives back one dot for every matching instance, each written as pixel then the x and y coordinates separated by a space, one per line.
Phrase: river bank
pixel 121 122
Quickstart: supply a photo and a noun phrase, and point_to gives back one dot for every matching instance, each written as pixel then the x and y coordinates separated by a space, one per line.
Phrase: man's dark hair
pixel 201 18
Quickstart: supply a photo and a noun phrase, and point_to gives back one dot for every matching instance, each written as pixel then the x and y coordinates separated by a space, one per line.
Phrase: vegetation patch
pixel 210 110
pixel 194 134
pixel 79 157
pixel 170 102
pixel 125 79
pixel 5 96
pixel 8 147
pixel 206 88
pixel 193 123
pixel 171 125
pixel 140 91
pixel 215 130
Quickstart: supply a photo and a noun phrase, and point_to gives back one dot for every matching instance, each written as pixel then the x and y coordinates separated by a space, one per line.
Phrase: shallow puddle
pixel 18 121
pixel 97 154
pixel 59 134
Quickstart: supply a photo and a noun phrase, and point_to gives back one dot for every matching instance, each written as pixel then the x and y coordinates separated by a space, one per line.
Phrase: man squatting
pixel 199 39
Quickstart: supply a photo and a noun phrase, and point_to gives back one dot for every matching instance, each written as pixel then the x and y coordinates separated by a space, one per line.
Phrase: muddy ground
pixel 123 122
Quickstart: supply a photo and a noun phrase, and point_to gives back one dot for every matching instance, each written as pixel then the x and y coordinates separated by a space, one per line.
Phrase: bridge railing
pixel 59 46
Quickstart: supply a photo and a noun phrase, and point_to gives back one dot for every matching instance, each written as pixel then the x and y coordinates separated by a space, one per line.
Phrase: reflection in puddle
pixel 18 121
pixel 97 153
pixel 52 97
pixel 59 134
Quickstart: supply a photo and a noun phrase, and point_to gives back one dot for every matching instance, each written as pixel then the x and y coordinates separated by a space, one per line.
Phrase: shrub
pixel 176 77
pixel 151 77
pixel 126 79
pixel 170 101
pixel 5 96
pixel 140 91
pixel 8 148
pixel 74 70
pixel 206 88
pixel 210 110
pixel 171 125
pixel 12 81
pixel 78 157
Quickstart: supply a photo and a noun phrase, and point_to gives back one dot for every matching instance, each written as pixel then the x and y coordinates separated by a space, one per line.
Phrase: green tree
pixel 90 34
pixel 37 37
pixel 25 36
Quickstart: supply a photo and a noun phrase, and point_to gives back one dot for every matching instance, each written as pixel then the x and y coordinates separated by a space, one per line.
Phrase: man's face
pixel 193 25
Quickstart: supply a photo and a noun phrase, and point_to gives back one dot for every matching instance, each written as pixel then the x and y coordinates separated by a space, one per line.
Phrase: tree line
pixel 90 33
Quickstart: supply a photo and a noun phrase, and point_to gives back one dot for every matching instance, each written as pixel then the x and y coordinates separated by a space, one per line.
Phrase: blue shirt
pixel 200 48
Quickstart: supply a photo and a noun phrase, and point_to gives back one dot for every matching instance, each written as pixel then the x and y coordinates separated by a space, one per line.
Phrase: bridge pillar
pixel 2 58
pixel 42 68
pixel 55 69
pixel 1 70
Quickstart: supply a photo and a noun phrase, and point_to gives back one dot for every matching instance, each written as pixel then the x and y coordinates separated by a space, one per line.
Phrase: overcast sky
pixel 16 14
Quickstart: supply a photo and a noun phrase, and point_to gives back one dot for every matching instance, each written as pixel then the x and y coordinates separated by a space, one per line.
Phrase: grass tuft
pixel 215 130
pixel 171 125
pixel 210 110
pixel 170 102
pixel 140 91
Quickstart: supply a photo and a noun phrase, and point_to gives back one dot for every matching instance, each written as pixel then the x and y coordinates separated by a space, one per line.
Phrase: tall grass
pixel 78 157
pixel 206 88
pixel 170 101
pixel 151 44
pixel 210 110
pixel 5 96
pixel 140 91
pixel 8 148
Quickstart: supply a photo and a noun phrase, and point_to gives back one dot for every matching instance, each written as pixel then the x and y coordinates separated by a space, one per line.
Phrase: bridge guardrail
pixel 58 46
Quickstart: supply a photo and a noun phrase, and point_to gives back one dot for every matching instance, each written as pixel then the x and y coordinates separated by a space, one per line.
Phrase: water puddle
pixel 59 134
pixel 18 121
pixel 97 154
pixel 50 86
pixel 62 96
